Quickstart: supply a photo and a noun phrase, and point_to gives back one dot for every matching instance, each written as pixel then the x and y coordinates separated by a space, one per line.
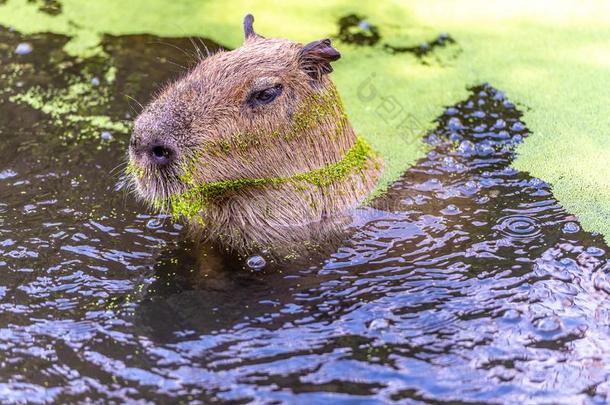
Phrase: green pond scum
pixel 74 95
pixel 192 202
pixel 317 107
pixel 551 58
pixel 71 107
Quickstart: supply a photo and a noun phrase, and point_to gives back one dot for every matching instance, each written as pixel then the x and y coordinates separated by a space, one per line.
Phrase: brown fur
pixel 217 136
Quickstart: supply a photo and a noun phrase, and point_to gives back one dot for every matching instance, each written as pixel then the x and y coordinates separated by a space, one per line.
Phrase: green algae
pixel 68 108
pixel 551 57
pixel 76 106
pixel 134 170
pixel 192 202
pixel 310 113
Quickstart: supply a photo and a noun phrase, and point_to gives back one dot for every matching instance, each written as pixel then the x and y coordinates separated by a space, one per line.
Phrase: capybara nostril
pixel 161 154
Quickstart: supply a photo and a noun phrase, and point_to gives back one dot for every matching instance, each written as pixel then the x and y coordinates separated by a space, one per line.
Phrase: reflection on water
pixel 468 281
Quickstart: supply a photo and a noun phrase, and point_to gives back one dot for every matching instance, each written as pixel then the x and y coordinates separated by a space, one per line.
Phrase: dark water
pixel 357 30
pixel 424 49
pixel 467 283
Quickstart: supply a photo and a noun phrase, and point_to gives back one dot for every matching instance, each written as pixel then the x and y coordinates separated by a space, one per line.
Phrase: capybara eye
pixel 264 96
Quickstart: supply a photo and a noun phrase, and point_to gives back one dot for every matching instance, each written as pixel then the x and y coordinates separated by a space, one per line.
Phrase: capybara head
pixel 240 126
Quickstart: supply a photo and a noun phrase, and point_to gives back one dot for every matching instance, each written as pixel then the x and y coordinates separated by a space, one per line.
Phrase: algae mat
pixel 551 57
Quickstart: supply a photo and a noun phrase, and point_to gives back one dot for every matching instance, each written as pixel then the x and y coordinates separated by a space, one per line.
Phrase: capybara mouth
pixel 155 185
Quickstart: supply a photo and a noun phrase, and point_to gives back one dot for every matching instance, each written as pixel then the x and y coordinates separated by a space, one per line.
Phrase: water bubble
pixel 364 25
pixel 518 227
pixel 23 48
pixel 451 111
pixel 455 124
pixel 499 95
pixel 570 227
pixel 466 148
pixel 500 123
pixel 256 263
pixel 455 137
pixel 518 126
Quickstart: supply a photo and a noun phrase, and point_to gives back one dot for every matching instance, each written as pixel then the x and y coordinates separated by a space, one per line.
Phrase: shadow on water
pixel 467 281
pixel 51 7
pixel 357 30
pixel 424 49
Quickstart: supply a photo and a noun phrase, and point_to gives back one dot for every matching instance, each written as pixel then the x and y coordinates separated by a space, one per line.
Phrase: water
pixel 467 282
pixel 356 30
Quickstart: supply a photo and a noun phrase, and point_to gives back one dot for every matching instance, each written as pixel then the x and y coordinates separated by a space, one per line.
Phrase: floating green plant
pixel 73 108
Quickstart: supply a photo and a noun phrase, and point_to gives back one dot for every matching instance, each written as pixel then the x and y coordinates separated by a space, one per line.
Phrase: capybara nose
pixel 160 154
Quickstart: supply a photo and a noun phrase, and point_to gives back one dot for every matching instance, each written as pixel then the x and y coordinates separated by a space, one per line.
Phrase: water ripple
pixel 519 227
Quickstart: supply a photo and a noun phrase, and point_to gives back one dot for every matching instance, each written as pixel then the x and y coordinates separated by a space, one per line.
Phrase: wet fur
pixel 205 117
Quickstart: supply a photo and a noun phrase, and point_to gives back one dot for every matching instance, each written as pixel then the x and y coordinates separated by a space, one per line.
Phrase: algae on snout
pixel 193 202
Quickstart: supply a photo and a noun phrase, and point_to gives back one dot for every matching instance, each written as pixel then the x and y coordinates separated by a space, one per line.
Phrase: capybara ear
pixel 315 58
pixel 249 29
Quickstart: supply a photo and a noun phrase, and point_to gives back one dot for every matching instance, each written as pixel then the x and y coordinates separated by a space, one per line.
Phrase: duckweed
pixel 73 107
pixel 191 203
